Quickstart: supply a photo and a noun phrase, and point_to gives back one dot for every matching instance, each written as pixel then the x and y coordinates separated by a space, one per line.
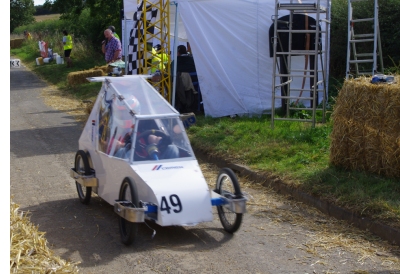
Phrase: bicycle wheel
pixel 82 167
pixel 127 229
pixel 228 186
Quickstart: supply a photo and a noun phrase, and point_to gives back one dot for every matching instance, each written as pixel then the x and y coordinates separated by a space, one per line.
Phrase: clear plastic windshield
pixel 154 139
pixel 127 129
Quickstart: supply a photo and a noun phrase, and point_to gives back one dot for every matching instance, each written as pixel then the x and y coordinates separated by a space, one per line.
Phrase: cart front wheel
pixel 228 186
pixel 128 230
pixel 82 167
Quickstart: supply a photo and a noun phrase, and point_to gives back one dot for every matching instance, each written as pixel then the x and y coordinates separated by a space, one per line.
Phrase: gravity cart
pixel 134 154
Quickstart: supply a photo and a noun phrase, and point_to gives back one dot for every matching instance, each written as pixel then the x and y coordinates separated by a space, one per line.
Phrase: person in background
pixel 186 95
pixel 27 35
pixel 112 28
pixel 185 62
pixel 160 59
pixel 111 47
pixel 67 41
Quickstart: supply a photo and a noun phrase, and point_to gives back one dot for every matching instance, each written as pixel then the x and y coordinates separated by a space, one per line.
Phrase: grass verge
pixel 299 155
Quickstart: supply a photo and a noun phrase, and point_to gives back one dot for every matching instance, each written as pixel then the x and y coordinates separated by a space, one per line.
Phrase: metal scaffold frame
pixel 159 29
pixel 356 59
pixel 314 49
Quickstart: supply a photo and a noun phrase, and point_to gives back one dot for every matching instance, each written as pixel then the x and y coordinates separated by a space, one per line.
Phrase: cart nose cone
pixel 182 194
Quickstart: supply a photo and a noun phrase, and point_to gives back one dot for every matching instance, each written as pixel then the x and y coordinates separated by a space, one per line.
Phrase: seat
pixel 197 88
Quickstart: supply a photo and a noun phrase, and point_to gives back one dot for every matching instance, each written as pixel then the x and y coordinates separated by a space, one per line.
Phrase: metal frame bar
pixel 296 8
pixel 161 28
pixel 353 39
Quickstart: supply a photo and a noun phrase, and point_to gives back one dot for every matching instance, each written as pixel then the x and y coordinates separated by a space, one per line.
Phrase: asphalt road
pixel 277 235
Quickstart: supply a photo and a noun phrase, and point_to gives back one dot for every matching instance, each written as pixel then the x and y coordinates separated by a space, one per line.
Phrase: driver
pixel 150 144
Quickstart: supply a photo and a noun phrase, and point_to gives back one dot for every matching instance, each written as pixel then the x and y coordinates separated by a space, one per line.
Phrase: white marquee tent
pixel 230 44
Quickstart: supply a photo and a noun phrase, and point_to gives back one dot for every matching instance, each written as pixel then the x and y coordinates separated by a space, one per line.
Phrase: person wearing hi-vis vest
pixel 160 59
pixel 67 41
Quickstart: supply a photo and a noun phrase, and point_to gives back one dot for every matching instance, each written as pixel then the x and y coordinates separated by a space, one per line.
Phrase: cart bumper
pixel 84 180
pixel 237 205
pixel 129 212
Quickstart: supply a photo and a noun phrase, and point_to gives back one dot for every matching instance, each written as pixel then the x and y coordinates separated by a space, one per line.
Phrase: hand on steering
pixel 153 139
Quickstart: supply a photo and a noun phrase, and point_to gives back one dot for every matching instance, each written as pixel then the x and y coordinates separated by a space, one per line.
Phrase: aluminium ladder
pixel 284 75
pixel 363 48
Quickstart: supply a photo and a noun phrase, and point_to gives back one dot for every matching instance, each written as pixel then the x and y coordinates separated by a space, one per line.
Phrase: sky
pixel 38 2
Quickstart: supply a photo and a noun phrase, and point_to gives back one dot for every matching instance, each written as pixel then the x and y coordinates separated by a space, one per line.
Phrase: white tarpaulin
pixel 230 44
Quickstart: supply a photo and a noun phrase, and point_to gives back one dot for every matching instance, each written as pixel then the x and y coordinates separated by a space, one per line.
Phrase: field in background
pixel 41 18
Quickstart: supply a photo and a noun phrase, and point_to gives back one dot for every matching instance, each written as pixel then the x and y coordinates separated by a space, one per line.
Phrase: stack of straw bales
pixel 107 69
pixel 79 77
pixel 366 127
pixel 16 43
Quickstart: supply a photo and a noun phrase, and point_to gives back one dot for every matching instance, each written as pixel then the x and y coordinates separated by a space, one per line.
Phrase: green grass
pixel 293 151
pixel 56 75
pixel 300 154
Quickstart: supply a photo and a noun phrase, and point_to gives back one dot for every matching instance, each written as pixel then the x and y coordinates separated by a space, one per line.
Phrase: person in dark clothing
pixel 187 97
pixel 185 62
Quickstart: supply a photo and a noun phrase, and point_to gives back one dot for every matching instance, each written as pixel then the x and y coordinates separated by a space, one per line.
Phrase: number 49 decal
pixel 175 204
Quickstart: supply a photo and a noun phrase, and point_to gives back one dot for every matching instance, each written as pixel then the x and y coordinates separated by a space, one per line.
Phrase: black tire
pixel 228 186
pixel 82 167
pixel 127 229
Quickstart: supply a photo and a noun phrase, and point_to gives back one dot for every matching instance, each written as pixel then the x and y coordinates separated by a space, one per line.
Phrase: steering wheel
pixel 143 149
pixel 155 132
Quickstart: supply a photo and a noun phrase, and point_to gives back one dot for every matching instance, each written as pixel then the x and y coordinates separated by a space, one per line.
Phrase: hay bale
pixel 366 127
pixel 102 68
pixel 79 77
pixel 29 249
pixel 107 69
pixel 16 43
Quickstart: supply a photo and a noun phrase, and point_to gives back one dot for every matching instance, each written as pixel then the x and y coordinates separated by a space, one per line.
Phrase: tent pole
pixel 175 53
pixel 125 47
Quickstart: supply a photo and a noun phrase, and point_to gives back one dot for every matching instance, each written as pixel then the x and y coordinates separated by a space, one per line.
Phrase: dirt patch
pixel 66 103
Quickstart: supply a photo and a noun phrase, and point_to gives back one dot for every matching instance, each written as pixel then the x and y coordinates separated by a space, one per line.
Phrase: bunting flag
pixel 134 60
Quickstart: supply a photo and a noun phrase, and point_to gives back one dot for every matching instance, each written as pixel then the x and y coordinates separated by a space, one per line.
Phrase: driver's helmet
pixel 123 116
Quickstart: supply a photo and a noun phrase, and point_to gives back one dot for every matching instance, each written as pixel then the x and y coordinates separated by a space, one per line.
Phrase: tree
pixel 88 18
pixel 21 13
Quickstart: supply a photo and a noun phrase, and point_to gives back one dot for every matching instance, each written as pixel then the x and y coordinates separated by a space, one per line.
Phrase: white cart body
pixel 176 186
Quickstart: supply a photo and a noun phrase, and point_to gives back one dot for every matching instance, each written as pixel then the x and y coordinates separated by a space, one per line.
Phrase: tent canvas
pixel 230 44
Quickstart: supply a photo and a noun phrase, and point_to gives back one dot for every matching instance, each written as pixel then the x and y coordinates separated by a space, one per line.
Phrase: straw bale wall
pixel 366 127
pixel 107 69
pixel 16 43
pixel 79 77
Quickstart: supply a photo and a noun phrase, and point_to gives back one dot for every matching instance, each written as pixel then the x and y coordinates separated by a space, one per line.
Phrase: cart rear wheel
pixel 128 230
pixel 228 186
pixel 82 167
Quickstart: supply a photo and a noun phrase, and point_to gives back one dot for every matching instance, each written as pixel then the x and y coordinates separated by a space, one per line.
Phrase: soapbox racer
pixel 134 154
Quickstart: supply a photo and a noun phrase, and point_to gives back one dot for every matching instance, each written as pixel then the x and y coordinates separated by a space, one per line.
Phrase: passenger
pixel 148 145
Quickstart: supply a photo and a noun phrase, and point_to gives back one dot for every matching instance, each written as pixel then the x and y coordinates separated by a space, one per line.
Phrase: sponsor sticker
pixel 161 167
